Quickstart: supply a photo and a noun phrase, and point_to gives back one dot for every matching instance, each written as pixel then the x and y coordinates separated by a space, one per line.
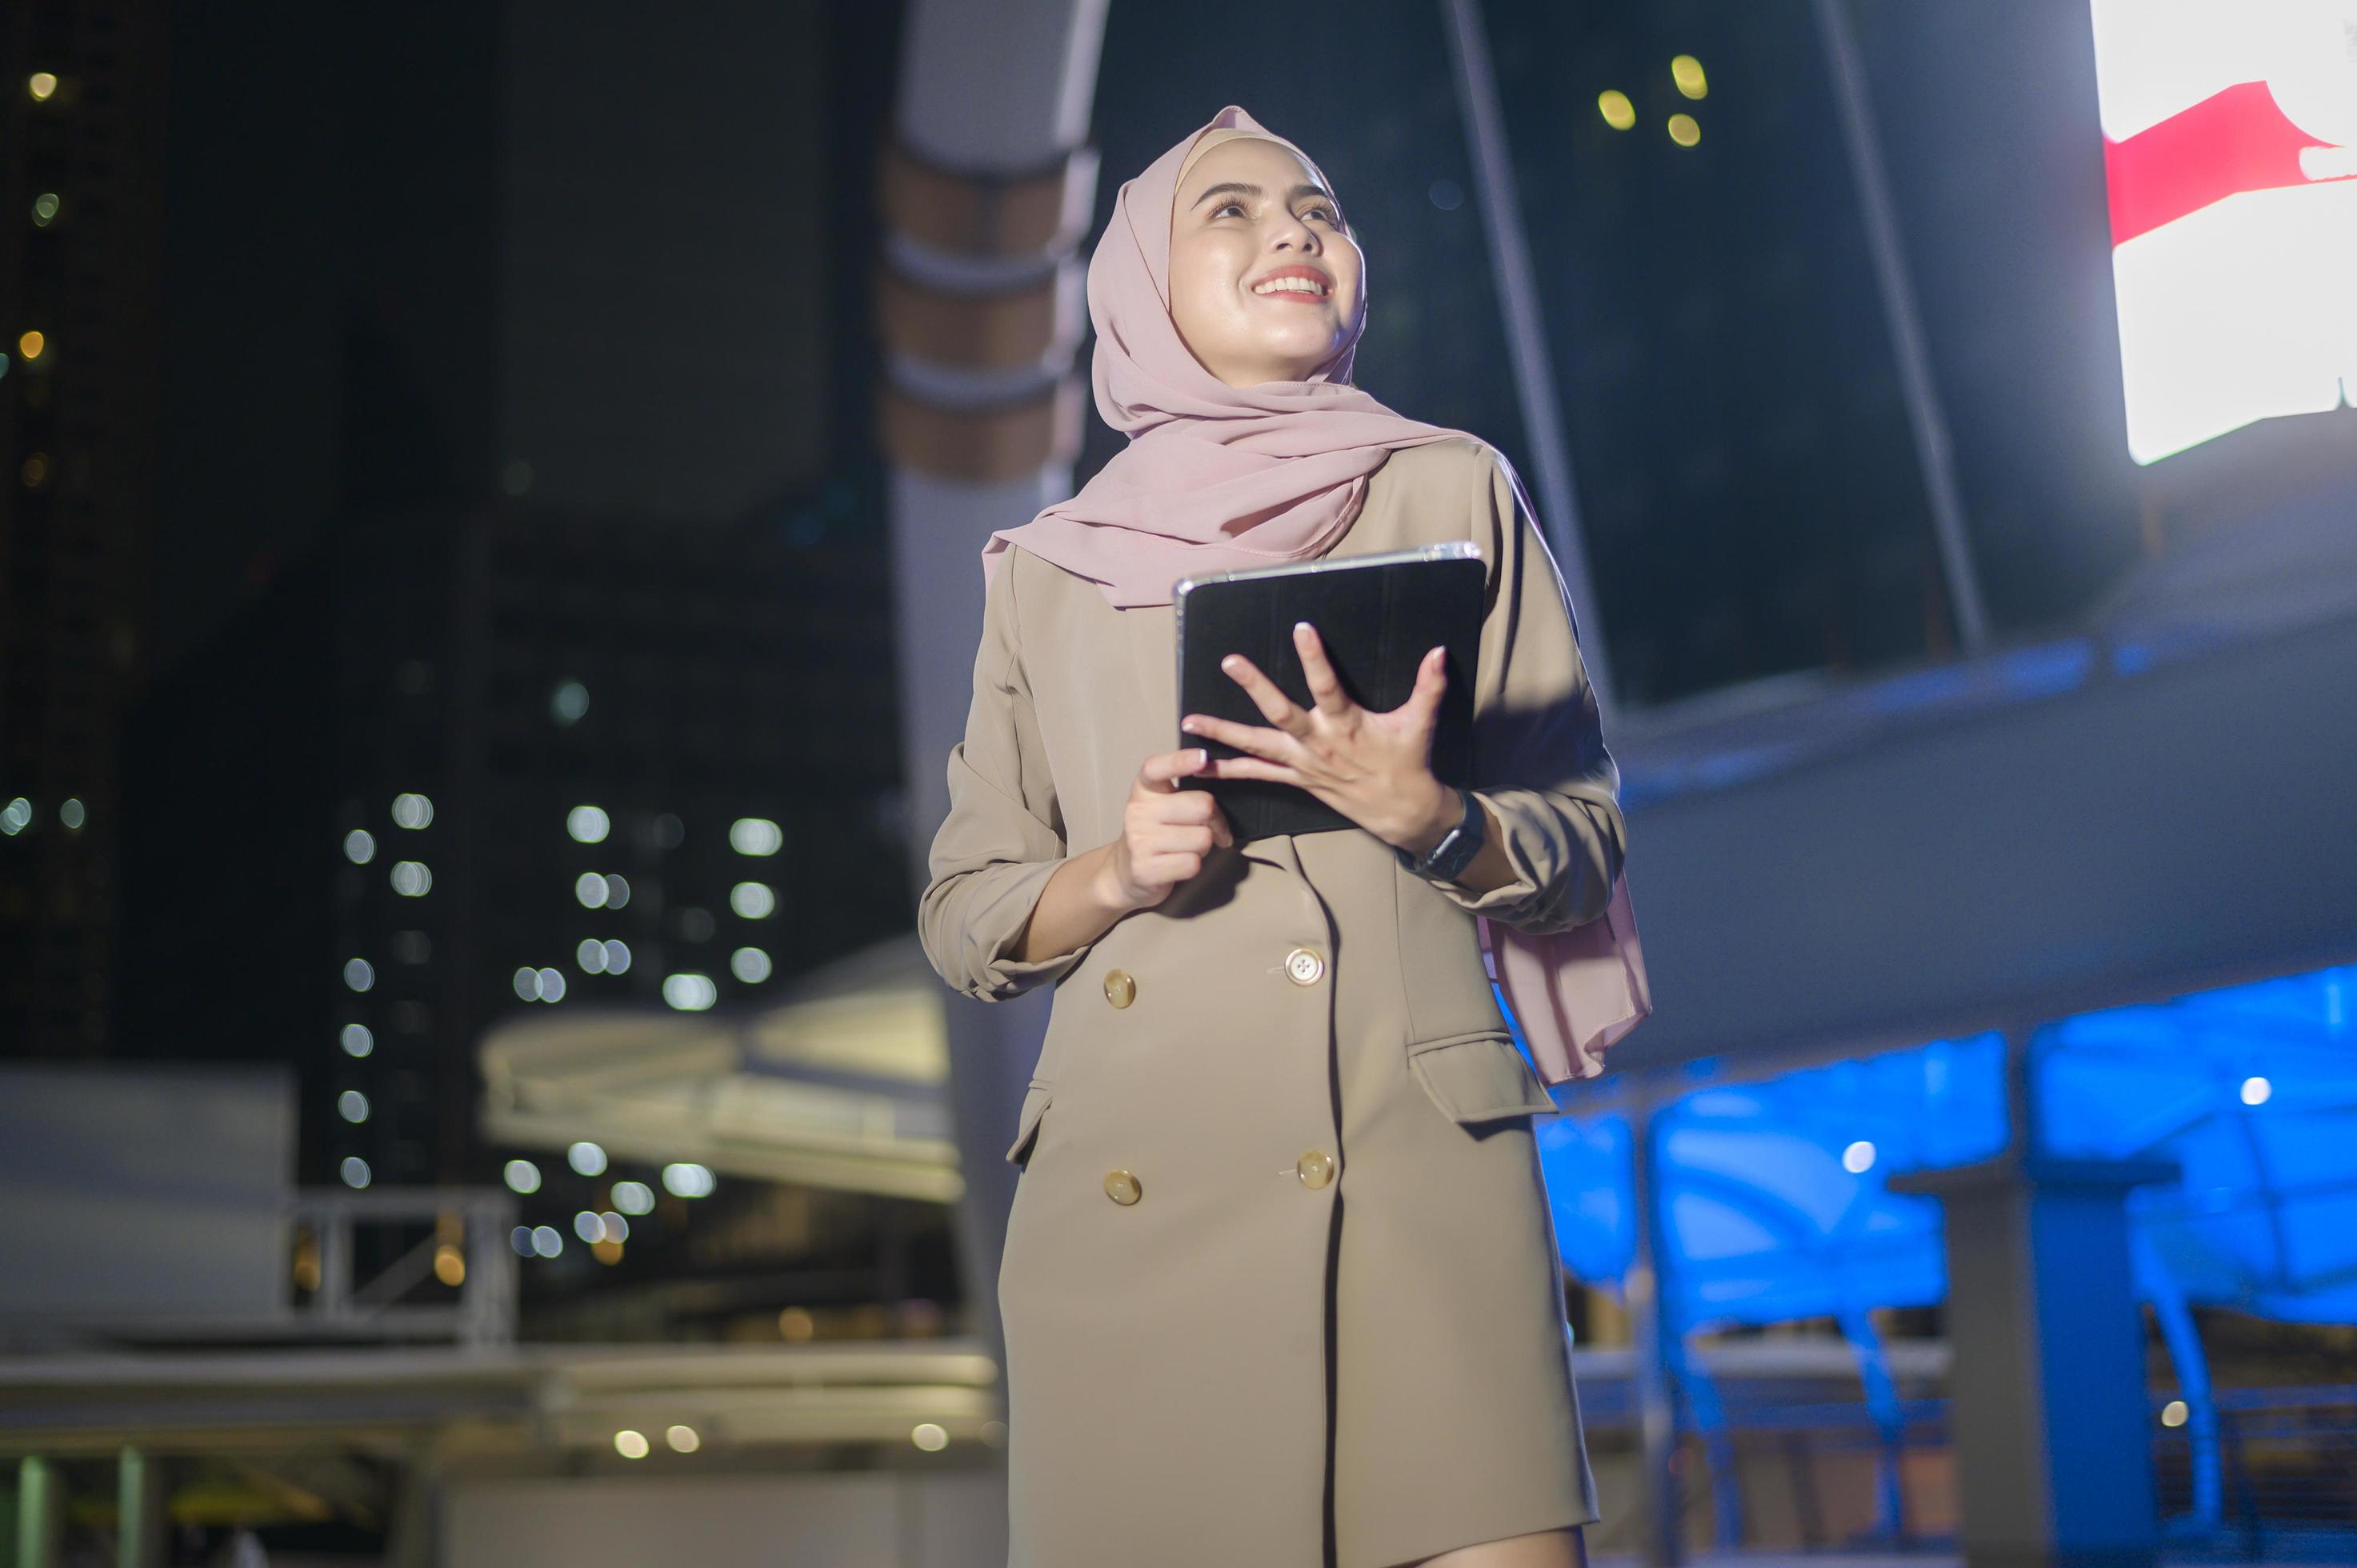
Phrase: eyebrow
pixel 1232 186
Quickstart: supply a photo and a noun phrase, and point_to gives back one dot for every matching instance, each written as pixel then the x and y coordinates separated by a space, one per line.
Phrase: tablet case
pixel 1377 615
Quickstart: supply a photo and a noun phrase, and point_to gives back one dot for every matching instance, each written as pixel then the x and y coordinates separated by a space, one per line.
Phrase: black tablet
pixel 1377 616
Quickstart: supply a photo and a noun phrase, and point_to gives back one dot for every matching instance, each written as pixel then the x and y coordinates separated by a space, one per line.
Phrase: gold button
pixel 1303 965
pixel 1122 1186
pixel 1317 1168
pixel 1120 989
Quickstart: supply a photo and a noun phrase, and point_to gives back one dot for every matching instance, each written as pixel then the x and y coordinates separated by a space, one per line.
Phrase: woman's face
pixel 1265 283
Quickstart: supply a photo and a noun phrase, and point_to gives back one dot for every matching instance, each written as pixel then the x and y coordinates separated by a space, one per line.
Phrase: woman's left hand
pixel 1373 767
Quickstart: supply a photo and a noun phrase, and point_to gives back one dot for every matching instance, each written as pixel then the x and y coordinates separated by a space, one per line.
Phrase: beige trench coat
pixel 1280 1266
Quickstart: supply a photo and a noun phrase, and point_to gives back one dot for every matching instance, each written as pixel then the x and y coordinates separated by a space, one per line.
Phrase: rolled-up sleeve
pixel 1540 760
pixel 1003 838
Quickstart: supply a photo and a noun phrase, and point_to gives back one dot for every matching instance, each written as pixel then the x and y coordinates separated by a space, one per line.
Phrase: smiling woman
pixel 1281 1241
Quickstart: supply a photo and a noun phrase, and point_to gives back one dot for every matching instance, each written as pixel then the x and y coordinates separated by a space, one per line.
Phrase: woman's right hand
pixel 1166 830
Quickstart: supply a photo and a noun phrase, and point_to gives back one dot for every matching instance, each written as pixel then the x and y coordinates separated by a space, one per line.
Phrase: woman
pixel 1280 1284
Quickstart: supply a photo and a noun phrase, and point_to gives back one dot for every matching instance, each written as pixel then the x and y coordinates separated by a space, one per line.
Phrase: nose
pixel 1296 228
pixel 1298 234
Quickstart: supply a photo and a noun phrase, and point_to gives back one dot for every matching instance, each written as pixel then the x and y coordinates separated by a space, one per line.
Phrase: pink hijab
pixel 1218 477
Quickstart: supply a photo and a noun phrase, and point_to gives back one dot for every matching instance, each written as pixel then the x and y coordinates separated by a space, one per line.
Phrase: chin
pixel 1307 345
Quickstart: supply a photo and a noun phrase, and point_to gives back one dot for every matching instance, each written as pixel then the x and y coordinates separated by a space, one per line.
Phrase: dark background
pixel 416 375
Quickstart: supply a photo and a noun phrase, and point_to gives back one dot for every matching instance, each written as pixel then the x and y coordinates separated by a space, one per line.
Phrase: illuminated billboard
pixel 2228 132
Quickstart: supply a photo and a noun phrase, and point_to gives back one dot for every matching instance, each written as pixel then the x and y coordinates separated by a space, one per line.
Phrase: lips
pixel 1318 275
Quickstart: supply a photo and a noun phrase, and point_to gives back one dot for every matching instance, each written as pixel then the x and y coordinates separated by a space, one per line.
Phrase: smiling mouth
pixel 1308 290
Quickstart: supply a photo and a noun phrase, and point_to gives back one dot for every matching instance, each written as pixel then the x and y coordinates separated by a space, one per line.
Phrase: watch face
pixel 1464 842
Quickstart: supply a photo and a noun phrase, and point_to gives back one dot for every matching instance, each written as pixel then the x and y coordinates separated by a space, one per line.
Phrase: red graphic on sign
pixel 2233 141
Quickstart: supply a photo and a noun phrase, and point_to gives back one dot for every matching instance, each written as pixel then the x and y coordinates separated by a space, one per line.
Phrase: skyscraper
pixel 81 152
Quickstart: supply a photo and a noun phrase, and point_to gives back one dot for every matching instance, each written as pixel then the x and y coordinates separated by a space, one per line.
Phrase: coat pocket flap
pixel 1478 1076
pixel 1034 1103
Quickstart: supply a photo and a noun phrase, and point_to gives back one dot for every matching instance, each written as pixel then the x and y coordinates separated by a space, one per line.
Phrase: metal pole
pixel 141 1520
pixel 1934 451
pixel 1518 299
pixel 41 1513
pixel 1657 1432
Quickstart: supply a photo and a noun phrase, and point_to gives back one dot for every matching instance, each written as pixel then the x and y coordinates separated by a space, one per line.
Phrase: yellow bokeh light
pixel 31 344
pixel 45 208
pixel 1618 112
pixel 2173 1413
pixel 42 84
pixel 449 1265
pixel 1684 131
pixel 37 468
pixel 1686 71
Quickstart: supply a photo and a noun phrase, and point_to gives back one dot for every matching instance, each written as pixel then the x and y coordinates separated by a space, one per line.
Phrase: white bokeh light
pixel 685 1180
pixel 756 835
pixel 690 992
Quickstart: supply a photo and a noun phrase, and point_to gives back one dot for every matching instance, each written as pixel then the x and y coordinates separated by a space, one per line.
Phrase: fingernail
pixel 1230 662
pixel 1301 625
pixel 1202 753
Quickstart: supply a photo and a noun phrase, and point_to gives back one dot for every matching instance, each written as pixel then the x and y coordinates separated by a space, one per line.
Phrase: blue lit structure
pixel 1774 1206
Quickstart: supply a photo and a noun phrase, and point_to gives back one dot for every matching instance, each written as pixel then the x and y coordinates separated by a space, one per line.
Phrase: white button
pixel 1303 965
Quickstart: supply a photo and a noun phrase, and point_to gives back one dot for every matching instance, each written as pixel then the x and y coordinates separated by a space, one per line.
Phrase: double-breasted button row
pixel 1303 966
pixel 1316 1168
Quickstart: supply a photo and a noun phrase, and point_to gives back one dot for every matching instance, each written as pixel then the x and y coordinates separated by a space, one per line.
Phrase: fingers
pixel 1268 697
pixel 1165 769
pixel 1325 686
pixel 1255 767
pixel 1169 830
pixel 1431 682
pixel 1166 818
pixel 1255 738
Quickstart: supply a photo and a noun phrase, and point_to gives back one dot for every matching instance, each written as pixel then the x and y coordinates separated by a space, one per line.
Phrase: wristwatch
pixel 1456 849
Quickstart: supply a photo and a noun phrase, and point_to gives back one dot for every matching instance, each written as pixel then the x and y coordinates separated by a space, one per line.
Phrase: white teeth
pixel 1292 285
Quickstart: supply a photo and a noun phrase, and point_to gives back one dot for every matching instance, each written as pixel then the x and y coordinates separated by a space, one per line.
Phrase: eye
pixel 1331 216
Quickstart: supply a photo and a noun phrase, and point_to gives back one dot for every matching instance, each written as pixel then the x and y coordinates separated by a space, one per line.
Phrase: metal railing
pixel 466 1250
